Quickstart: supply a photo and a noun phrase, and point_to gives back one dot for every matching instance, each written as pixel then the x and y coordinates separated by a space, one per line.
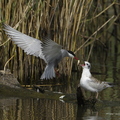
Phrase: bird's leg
pixel 97 97
pixel 57 72
pixel 94 100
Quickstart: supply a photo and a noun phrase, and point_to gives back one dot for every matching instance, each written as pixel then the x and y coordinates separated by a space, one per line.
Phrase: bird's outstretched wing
pixel 51 50
pixel 29 44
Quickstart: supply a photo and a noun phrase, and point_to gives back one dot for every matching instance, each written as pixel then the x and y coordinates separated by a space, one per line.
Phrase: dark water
pixel 105 66
pixel 43 109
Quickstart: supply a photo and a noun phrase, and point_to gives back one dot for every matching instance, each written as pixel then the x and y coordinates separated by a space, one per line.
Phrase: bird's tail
pixel 107 84
pixel 48 73
pixel 111 84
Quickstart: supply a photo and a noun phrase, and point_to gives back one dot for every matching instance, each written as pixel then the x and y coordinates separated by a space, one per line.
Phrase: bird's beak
pixel 82 64
pixel 78 63
pixel 75 58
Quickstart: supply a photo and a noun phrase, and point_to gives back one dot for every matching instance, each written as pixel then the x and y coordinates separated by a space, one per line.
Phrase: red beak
pixel 82 65
pixel 75 58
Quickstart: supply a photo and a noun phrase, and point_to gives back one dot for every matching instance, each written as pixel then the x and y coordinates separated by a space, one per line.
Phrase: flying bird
pixel 90 83
pixel 48 50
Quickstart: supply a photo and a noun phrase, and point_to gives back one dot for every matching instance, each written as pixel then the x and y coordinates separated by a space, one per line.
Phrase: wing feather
pixel 96 84
pixel 51 49
pixel 29 44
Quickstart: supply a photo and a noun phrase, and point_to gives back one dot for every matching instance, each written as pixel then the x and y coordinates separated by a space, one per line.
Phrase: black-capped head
pixel 71 54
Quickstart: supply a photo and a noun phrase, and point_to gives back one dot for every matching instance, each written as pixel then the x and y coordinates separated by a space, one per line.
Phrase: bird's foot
pixel 57 73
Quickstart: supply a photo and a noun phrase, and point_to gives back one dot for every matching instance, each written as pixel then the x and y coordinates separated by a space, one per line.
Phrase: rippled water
pixel 43 109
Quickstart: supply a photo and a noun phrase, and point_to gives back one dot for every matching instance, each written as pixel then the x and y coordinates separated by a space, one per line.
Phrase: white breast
pixel 84 83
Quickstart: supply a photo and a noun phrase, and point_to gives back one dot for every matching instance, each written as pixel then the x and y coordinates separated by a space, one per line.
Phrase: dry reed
pixel 68 22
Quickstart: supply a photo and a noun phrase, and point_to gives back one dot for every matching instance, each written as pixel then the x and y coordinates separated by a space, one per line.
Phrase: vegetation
pixel 78 25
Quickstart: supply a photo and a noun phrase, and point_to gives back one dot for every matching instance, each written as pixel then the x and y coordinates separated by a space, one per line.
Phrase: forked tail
pixel 48 73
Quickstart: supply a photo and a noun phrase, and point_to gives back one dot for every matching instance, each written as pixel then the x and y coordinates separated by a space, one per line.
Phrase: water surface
pixel 46 109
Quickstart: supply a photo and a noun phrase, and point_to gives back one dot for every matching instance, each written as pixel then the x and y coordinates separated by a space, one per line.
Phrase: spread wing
pixel 29 44
pixel 51 50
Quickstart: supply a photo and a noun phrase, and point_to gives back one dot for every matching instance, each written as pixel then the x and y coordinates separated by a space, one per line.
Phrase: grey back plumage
pixel 51 50
pixel 98 85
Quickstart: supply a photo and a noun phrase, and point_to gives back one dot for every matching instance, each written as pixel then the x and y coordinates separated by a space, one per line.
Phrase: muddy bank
pixel 7 79
pixel 10 87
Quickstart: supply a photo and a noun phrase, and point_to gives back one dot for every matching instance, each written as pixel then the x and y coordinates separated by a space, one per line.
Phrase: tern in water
pixel 90 83
pixel 48 50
